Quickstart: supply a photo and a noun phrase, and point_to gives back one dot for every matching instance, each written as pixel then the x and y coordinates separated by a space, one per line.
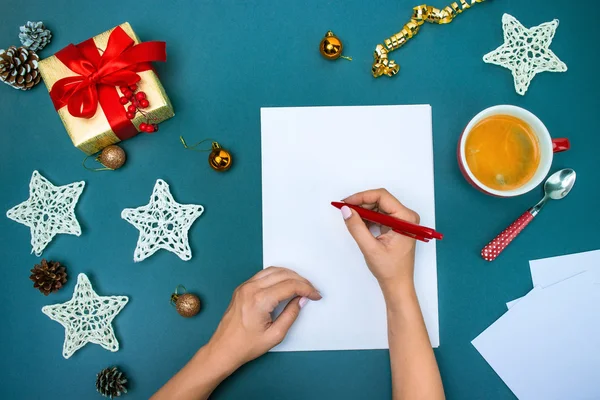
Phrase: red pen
pixel 405 228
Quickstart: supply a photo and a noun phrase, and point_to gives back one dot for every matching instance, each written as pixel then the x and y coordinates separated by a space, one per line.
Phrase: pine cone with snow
pixel 34 35
pixel 19 68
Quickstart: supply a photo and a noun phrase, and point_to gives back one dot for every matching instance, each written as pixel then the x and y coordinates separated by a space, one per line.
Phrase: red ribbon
pixel 99 75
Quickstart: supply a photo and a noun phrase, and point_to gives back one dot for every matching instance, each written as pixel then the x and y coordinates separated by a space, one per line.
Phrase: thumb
pixel 288 316
pixel 359 230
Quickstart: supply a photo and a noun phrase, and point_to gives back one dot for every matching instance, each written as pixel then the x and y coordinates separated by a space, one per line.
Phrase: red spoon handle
pixel 496 246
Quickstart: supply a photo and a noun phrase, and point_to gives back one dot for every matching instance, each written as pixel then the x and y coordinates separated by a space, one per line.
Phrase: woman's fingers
pixel 385 202
pixel 269 271
pixel 265 272
pixel 285 320
pixel 359 231
pixel 380 197
pixel 275 284
pixel 279 275
pixel 289 288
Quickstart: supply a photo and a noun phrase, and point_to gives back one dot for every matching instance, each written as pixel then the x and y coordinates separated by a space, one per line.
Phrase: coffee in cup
pixel 502 152
pixel 506 151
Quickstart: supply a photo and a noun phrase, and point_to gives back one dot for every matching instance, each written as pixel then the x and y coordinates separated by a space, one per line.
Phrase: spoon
pixel 557 186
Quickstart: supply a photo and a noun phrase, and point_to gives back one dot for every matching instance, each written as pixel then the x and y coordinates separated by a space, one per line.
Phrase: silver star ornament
pixel 163 224
pixel 526 51
pixel 50 210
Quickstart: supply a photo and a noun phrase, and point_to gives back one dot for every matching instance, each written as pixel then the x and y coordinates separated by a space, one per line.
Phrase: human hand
pixel 247 330
pixel 390 256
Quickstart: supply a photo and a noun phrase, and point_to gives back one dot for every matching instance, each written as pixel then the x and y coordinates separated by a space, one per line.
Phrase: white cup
pixel 547 145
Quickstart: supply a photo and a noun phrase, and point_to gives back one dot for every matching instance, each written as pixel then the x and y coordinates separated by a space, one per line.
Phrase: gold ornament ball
pixel 219 159
pixel 112 157
pixel 331 46
pixel 187 304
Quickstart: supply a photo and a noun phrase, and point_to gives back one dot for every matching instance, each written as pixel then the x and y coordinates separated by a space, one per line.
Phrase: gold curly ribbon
pixel 421 14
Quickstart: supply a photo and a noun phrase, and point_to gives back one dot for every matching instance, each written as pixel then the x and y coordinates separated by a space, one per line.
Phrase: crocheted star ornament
pixel 50 210
pixel 163 224
pixel 87 317
pixel 526 51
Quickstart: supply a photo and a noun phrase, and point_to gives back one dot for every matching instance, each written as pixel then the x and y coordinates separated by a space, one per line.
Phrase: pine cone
pixel 110 382
pixel 48 276
pixel 34 35
pixel 19 68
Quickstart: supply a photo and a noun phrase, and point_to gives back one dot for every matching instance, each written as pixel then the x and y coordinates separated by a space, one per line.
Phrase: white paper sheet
pixel 548 271
pixel 511 303
pixel 314 155
pixel 546 346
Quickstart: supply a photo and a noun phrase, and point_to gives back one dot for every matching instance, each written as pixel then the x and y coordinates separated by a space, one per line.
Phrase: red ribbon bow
pixel 100 74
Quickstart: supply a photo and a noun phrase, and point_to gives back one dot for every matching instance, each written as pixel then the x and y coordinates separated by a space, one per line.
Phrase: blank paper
pixel 548 271
pixel 551 270
pixel 312 156
pixel 546 346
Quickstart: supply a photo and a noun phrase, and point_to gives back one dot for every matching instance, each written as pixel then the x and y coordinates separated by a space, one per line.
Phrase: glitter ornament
pixel 112 157
pixel 187 304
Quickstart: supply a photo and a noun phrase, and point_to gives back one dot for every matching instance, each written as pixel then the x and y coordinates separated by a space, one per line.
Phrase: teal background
pixel 227 59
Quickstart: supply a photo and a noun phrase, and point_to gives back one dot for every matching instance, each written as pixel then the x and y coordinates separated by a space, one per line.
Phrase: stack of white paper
pixel 547 346
pixel 312 156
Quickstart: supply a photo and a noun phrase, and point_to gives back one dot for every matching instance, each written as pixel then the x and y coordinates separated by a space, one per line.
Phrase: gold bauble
pixel 219 159
pixel 112 157
pixel 187 304
pixel 331 46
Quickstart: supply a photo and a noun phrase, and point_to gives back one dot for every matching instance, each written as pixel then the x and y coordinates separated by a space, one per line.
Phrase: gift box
pixel 84 82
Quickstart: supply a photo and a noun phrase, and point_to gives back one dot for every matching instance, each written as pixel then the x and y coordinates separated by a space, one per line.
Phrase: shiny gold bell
pixel 219 159
pixel 331 47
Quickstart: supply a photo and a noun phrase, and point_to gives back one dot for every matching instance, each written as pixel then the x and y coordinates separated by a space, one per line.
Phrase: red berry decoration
pixel 151 128
pixel 138 101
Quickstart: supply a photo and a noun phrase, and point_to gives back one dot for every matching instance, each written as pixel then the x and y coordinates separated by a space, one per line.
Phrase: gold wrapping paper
pixel 93 134
pixel 382 65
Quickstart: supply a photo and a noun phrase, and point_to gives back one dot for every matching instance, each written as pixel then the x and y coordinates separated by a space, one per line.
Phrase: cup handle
pixel 561 144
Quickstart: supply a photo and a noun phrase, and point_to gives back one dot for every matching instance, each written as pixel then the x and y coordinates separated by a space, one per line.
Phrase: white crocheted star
pixel 163 224
pixel 526 51
pixel 87 317
pixel 50 210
